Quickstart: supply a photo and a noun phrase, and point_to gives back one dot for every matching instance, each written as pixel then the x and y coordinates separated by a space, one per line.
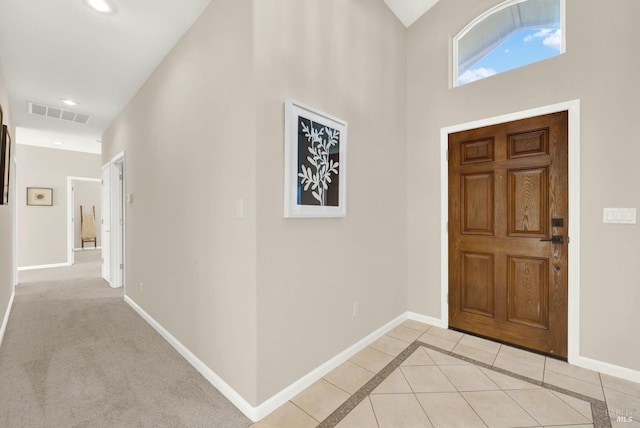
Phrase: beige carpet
pixel 76 355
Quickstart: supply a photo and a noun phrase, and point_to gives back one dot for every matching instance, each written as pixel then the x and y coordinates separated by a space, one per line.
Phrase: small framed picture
pixel 5 162
pixel 41 196
pixel 315 163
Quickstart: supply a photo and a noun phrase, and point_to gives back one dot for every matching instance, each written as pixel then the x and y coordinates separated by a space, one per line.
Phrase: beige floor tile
pixel 477 348
pixel 405 334
pixel 419 358
pixel 371 359
pixel 416 325
pixel 547 408
pixel 583 407
pixel 320 399
pixel 474 353
pixel 520 362
pixel 468 378
pixel 287 416
pixel 622 385
pixel 427 379
pixel 622 406
pixel 395 383
pixel 360 417
pixel 443 359
pixel 389 345
pixel 497 409
pixel 441 338
pixel 573 384
pixel 576 372
pixel 399 410
pixel 449 410
pixel 508 382
pixel 349 377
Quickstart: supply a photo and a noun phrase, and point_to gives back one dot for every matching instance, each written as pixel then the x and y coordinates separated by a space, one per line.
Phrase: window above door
pixel 510 35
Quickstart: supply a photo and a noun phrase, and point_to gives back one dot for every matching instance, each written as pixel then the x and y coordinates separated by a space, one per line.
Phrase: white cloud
pixel 475 74
pixel 506 51
pixel 551 38
pixel 554 40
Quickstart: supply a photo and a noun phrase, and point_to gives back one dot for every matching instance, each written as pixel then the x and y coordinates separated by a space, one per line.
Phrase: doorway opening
pixel 86 195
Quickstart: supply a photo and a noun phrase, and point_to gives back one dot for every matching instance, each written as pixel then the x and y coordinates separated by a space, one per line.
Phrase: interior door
pixel 106 222
pixel 508 222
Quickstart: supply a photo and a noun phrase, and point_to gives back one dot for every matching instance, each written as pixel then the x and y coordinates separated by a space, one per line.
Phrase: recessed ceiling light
pixel 69 102
pixel 58 143
pixel 102 6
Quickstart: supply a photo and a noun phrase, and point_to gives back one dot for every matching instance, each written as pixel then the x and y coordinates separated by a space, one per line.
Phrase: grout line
pixel 373 409
pixel 598 407
pixel 303 410
pixel 334 418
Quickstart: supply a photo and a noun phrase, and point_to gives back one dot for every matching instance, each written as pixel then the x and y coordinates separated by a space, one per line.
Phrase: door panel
pixel 508 280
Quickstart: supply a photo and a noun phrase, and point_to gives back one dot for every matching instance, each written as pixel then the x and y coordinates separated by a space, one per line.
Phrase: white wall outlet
pixel 356 308
pixel 141 288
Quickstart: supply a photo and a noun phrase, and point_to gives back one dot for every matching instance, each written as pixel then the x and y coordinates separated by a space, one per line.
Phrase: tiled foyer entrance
pixel 423 376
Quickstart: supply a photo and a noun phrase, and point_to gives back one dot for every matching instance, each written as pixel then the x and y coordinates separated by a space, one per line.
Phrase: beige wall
pixel 42 230
pixel 347 59
pixel 205 133
pixel 7 262
pixel 89 195
pixel 597 69
pixel 189 141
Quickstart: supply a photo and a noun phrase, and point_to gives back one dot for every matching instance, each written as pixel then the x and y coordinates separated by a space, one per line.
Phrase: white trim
pixel 426 319
pixel 33 267
pixel 87 249
pixel 5 320
pixel 277 400
pixel 573 106
pixel 71 215
pixel 313 376
pixel 609 369
pixel 485 15
pixel 204 370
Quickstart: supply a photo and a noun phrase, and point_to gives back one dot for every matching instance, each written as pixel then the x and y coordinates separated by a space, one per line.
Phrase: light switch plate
pixel 619 215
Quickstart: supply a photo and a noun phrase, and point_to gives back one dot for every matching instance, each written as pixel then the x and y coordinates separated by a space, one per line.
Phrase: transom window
pixel 511 35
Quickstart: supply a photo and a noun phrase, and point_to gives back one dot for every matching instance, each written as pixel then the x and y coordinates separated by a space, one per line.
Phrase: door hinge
pixel 121 266
pixel 120 176
pixel 447 227
pixel 121 222
pixel 447 154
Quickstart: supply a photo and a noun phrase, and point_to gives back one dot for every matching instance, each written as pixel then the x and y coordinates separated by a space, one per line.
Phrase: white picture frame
pixel 315 163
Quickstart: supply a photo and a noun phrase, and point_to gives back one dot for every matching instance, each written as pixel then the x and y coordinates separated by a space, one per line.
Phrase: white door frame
pixel 116 248
pixel 71 215
pixel 573 310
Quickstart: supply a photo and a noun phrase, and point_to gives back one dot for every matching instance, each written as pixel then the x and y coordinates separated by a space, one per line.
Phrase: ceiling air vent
pixel 58 113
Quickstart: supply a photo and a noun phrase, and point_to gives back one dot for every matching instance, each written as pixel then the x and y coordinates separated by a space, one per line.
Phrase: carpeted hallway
pixel 76 355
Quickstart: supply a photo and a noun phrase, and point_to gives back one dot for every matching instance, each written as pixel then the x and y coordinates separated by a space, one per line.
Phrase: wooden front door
pixel 508 223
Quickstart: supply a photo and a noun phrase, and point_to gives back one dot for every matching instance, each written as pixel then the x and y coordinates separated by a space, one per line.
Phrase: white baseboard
pixel 55 265
pixel 426 319
pixel 204 370
pixel 310 378
pixel 608 369
pixel 5 320
pixel 584 362
pixel 87 249
pixel 271 404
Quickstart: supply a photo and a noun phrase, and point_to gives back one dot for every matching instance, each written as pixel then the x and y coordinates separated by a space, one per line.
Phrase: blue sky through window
pixel 523 47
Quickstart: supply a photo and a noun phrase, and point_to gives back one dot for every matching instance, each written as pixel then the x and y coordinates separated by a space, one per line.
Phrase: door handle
pixel 555 239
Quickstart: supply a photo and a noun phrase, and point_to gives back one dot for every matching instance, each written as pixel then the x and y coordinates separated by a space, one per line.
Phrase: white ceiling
pixel 408 11
pixel 56 49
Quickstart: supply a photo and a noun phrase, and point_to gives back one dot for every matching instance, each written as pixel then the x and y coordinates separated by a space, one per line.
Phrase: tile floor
pixel 423 376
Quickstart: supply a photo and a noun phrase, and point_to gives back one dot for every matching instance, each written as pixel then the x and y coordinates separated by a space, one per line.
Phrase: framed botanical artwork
pixel 5 164
pixel 39 196
pixel 315 163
